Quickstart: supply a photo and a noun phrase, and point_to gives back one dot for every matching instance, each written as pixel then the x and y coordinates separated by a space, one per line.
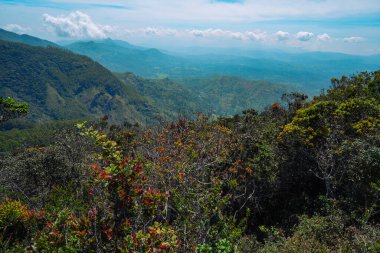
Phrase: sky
pixel 347 26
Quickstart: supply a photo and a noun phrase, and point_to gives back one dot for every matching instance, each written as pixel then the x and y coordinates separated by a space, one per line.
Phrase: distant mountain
pixel 152 63
pixel 310 71
pixel 120 56
pixel 24 38
pixel 59 84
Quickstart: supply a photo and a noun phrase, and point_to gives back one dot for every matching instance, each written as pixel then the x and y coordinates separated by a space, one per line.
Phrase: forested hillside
pixel 61 85
pixel 300 176
pixel 169 97
pixel 218 95
pixel 227 95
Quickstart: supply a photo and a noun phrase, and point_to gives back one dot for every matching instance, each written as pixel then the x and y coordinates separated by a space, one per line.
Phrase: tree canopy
pixel 10 109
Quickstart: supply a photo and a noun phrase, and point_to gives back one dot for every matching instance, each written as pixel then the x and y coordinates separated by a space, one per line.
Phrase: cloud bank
pixel 79 25
pixel 76 25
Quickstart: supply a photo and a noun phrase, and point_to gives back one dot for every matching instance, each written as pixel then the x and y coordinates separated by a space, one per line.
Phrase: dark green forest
pixel 301 175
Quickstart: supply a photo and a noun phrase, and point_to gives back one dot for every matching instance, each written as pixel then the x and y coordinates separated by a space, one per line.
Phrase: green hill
pixel 220 95
pixel 61 85
pixel 227 95
pixel 167 96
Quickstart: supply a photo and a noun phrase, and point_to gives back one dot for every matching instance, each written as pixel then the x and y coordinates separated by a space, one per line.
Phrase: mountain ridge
pixel 25 38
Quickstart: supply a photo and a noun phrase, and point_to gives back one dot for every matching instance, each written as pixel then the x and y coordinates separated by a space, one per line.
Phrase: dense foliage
pixel 30 135
pixel 301 176
pixel 9 109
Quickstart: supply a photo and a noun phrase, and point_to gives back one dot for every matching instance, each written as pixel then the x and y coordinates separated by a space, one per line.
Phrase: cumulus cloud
pixel 280 35
pixel 304 36
pixel 354 39
pixel 76 25
pixel 323 37
pixel 258 36
pixel 157 31
pixel 15 28
pixel 220 33
pixel 206 33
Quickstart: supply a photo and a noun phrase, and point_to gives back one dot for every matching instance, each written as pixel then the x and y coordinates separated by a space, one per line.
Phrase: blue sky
pixel 348 26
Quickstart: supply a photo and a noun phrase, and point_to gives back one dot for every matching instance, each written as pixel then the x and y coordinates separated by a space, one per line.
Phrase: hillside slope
pixel 167 96
pixel 227 95
pixel 61 85
pixel 220 95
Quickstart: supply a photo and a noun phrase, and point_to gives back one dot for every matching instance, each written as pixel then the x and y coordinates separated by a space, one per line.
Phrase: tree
pixel 294 101
pixel 325 130
pixel 10 109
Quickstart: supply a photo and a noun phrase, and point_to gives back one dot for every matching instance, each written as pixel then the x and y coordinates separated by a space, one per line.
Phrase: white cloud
pixel 157 31
pixel 15 28
pixel 257 36
pixel 216 33
pixel 323 37
pixel 76 25
pixel 280 35
pixel 220 33
pixel 210 33
pixel 304 36
pixel 354 39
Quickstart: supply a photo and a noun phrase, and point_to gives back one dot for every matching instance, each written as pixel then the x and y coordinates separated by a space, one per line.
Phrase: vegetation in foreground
pixel 298 177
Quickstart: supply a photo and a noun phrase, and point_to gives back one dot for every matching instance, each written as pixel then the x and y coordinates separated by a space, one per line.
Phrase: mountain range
pixel 148 84
pixel 61 85
pixel 309 71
